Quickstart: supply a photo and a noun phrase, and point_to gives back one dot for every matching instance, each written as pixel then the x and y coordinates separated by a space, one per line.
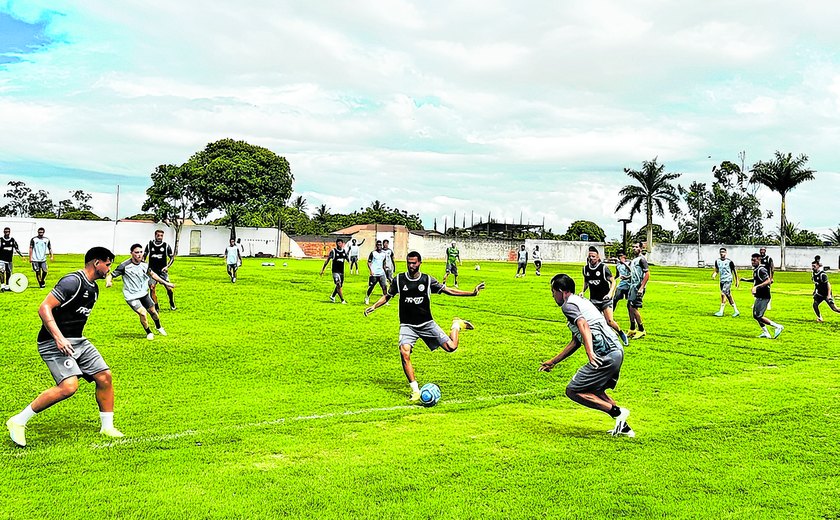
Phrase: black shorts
pixel 819 298
pixel 606 303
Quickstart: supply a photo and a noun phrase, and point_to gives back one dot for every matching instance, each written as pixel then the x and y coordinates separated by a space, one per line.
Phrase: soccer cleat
pixel 18 432
pixel 623 338
pixel 640 334
pixel 764 335
pixel 631 334
pixel 456 285
pixel 344 302
pixel 332 299
pixel 778 331
pixel 736 314
pixel 415 396
pixel 625 430
pixel 621 420
pixel 111 432
pixel 150 336
pixel 819 319
pixel 234 279
pixel 719 313
pixel 367 301
pixel 462 324
pixel 162 332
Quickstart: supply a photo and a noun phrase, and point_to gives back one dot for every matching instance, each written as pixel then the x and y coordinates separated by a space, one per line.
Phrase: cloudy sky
pixel 529 108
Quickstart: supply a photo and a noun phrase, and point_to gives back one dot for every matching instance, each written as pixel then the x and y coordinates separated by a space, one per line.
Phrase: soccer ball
pixel 477 267
pixel 429 394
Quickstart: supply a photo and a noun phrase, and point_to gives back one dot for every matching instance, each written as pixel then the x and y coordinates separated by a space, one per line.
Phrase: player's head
pixel 815 265
pixel 722 253
pixel 238 240
pixel 353 241
pixel 136 253
pixel 762 251
pixel 561 285
pixel 385 243
pixel 622 256
pixel 158 236
pixel 413 261
pixel 41 232
pixel 817 259
pixel 522 248
pixel 755 258
pixel 100 259
pixel 232 242
pixel 6 232
pixel 378 245
pixel 536 248
pixel 339 242
pixel 637 248
pixel 593 255
pixel 453 243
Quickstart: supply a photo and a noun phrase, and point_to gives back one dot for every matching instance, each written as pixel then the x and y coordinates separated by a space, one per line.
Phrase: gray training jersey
pixel 638 268
pixel 725 267
pixel 135 279
pixel 604 339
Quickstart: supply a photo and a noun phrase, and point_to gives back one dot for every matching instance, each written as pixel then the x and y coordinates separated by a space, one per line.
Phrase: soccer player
pixel 622 274
pixel 521 261
pixel 452 256
pixel 761 290
pixel 639 276
pixel 415 289
pixel 8 246
pixel 598 278
pixel 589 328
pixel 66 351
pixel 233 259
pixel 535 255
pixel 339 257
pixel 726 268
pixel 822 289
pixel 376 266
pixel 354 254
pixel 136 274
pixel 160 258
pixel 766 261
pixel 39 246
pixel 390 265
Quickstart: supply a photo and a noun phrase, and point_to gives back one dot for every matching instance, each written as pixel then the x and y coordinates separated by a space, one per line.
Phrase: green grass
pixel 268 401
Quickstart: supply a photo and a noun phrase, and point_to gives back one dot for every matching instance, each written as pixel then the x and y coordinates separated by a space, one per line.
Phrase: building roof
pixel 385 228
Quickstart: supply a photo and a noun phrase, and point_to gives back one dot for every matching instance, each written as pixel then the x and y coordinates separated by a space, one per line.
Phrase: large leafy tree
pixel 581 227
pixel 237 178
pixel 171 198
pixel 782 174
pixel 652 192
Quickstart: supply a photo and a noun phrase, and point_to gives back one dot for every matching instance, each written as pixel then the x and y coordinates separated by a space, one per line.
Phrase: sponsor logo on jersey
pixel 68 363
pixel 405 288
pixel 417 300
pixel 421 287
pixel 83 310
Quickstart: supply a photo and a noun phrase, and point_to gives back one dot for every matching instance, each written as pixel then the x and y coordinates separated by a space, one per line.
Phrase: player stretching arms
pixel 598 278
pixel 160 258
pixel 354 254
pixel 415 289
pixel 761 290
pixel 822 289
pixel 66 351
pixel 726 268
pixel 8 246
pixel 136 274
pixel 233 259
pixel 39 246
pixel 338 255
pixel 590 383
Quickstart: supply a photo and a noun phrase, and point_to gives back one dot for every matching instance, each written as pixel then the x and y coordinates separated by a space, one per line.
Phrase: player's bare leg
pixel 105 400
pixel 56 394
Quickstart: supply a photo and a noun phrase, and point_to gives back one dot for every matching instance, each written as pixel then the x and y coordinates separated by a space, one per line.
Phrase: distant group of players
pixel 69 355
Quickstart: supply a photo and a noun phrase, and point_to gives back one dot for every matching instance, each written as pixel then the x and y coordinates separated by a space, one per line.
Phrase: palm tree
pixel 653 189
pixel 322 213
pixel 781 175
pixel 299 203
pixel 833 236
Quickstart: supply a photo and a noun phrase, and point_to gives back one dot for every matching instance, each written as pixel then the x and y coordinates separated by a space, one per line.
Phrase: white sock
pixel 774 325
pixel 456 325
pixel 414 386
pixel 24 416
pixel 722 306
pixel 764 329
pixel 107 419
pixel 734 307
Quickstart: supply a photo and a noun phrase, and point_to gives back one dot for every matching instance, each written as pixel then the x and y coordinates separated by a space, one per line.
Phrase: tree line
pixel 23 202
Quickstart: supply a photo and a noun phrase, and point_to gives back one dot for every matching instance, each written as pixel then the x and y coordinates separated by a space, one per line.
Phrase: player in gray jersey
pixel 521 262
pixel 8 246
pixel 622 274
pixel 589 385
pixel 66 351
pixel 39 247
pixel 822 288
pixel 726 269
pixel 376 266
pixel 136 274
pixel 233 259
pixel 639 276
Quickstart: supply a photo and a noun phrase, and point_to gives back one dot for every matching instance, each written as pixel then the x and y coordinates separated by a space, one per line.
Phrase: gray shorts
pixel 634 298
pixel 338 278
pixel 521 265
pixel 39 266
pixel 86 361
pixel 760 307
pixel 726 288
pixel 378 279
pixel 430 332
pixel 602 304
pixel 452 268
pixel 621 292
pixel 5 266
pixel 144 302
pixel 591 379
pixel 163 275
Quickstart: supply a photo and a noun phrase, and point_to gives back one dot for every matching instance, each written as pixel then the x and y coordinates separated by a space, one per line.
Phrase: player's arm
pixel 735 275
pixel 645 279
pixel 17 248
pixel 715 272
pixel 171 255
pixel 326 261
pixel 160 280
pixel 570 349
pixel 613 283
pixel 458 255
pixel 370 263
pixel 119 271
pixel 49 248
pixel 458 292
pixel 586 336
pixel 31 248
pixel 45 311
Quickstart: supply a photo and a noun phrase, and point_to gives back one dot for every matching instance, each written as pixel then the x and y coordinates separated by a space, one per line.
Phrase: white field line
pixel 314 417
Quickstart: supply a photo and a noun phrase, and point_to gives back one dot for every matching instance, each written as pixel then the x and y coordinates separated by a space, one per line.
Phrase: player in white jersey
pixel 537 258
pixel 376 266
pixel 603 349
pixel 39 247
pixel 726 269
pixel 136 275
pixel 353 248
pixel 233 259
pixel 521 261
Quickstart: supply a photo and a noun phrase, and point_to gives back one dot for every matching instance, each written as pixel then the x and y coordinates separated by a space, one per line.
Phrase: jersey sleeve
pixel 120 270
pixel 435 286
pixel 571 311
pixel 370 257
pixel 66 288
pixel 169 251
pixel 643 263
pixel 394 288
pixel 32 243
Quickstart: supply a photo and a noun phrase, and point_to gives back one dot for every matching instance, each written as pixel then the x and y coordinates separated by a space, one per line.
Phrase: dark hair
pixel 817 258
pixel 7 228
pixel 593 249
pixel 337 240
pixel 414 254
pixel 135 246
pixel 621 253
pixel 755 255
pixel 563 282
pixel 41 229
pixel 98 253
pixel 723 249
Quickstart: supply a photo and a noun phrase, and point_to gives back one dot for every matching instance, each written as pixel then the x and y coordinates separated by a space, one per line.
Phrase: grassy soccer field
pixel 266 401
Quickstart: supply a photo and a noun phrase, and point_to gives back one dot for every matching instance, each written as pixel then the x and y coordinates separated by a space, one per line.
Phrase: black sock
pixel 641 328
pixel 157 322
pixel 148 330
pixel 172 297
pixel 614 412
pixel 632 325
pixel 157 307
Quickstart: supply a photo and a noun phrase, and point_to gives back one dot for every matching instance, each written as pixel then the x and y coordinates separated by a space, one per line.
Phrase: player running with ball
pixel 414 290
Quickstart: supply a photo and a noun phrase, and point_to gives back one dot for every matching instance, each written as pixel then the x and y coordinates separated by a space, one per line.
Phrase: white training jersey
pixel 232 254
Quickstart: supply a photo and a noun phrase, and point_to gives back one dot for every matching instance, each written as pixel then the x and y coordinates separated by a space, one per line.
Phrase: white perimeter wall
pixel 685 255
